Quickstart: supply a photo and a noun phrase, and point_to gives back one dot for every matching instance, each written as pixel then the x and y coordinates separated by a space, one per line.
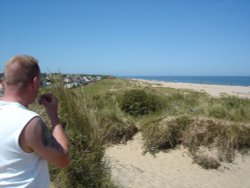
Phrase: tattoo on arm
pixel 48 139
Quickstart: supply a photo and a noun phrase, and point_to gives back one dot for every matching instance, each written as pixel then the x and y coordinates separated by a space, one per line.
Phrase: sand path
pixel 174 169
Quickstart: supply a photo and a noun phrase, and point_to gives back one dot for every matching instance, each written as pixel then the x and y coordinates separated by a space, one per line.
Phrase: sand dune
pixel 174 169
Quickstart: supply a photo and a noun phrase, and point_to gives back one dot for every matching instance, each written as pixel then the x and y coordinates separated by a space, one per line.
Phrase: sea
pixel 217 80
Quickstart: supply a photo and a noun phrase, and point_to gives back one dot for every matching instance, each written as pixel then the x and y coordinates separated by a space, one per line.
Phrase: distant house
pixel 66 80
pixel 71 85
pixel 86 79
pixel 70 80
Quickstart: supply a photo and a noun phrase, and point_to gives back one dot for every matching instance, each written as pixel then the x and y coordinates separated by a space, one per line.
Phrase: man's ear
pixel 35 82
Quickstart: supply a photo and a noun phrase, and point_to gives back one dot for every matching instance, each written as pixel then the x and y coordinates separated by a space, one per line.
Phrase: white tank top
pixel 18 168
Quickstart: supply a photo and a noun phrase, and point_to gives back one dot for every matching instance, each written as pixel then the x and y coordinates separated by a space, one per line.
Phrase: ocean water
pixel 217 80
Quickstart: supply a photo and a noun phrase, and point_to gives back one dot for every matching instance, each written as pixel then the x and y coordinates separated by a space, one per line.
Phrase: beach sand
pixel 214 90
pixel 175 169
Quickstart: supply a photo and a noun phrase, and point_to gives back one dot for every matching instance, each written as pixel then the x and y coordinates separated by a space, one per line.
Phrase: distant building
pixel 70 80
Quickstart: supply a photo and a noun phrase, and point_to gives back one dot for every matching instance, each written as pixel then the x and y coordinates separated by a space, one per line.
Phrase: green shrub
pixel 139 103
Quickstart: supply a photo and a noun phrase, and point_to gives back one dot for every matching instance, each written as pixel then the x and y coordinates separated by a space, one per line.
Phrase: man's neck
pixel 14 96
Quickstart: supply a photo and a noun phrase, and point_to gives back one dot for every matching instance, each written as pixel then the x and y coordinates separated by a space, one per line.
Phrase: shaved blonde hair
pixel 21 70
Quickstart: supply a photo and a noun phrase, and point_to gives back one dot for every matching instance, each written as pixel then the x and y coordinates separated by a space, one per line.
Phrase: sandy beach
pixel 214 90
pixel 175 168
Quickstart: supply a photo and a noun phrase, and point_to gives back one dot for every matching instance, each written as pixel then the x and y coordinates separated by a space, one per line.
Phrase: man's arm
pixel 36 137
pixel 52 147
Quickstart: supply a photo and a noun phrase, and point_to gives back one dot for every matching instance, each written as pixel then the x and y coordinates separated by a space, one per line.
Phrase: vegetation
pixel 139 103
pixel 195 133
pixel 87 168
pixel 206 162
pixel 111 111
pixel 92 119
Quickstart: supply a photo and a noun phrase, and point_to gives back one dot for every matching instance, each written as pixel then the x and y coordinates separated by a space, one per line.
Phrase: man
pixel 25 142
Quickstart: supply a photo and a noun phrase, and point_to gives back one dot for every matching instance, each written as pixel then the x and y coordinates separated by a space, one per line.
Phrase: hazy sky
pixel 129 37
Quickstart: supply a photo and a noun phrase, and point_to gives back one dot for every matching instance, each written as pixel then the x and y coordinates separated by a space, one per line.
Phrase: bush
pixel 139 103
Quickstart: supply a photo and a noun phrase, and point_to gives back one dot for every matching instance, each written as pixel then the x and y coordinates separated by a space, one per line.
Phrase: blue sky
pixel 129 37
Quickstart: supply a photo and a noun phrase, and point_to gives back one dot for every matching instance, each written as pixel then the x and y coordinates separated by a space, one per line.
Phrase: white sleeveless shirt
pixel 18 169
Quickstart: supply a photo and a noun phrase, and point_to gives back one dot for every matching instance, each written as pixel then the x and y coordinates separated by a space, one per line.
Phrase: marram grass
pixel 87 168
pixel 195 133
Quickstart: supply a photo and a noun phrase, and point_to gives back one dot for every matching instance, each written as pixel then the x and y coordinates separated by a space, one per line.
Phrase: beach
pixel 213 90
pixel 131 168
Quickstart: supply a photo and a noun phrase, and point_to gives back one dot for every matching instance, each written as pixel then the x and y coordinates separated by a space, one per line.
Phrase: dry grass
pixel 206 162
pixel 195 132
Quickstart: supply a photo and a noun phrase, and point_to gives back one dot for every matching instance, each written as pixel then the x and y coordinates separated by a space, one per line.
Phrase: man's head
pixel 22 79
pixel 21 70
